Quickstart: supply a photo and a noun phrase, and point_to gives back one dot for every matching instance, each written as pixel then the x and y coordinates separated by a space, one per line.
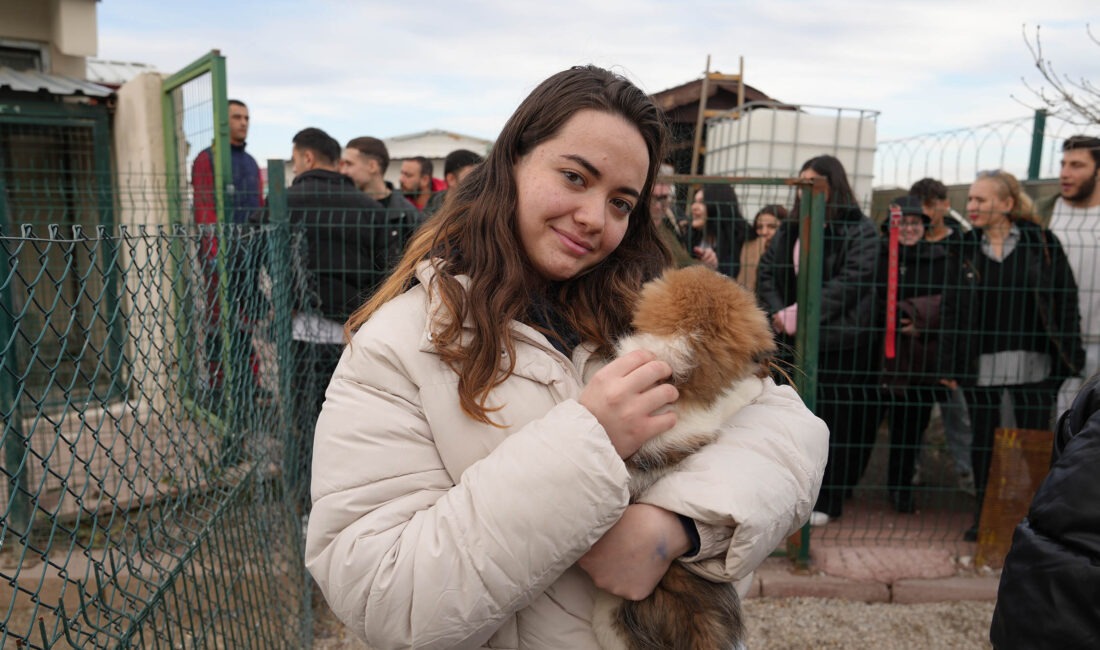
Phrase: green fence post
pixel 807 337
pixel 17 514
pixel 280 256
pixel 282 285
pixel 1037 144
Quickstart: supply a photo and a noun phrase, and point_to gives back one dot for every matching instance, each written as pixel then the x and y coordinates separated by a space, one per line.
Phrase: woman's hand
pixel 627 397
pixel 632 557
pixel 707 256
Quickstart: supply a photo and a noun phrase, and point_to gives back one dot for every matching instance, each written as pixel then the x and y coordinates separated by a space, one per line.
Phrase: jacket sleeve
pixel 956 331
pixel 408 558
pixel 753 487
pixel 842 292
pixel 202 183
pixel 1065 329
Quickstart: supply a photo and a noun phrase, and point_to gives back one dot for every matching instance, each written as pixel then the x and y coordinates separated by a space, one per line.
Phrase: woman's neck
pixel 997 232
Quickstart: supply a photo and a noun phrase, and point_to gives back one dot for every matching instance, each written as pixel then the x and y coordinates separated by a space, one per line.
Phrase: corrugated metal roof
pixel 114 73
pixel 29 81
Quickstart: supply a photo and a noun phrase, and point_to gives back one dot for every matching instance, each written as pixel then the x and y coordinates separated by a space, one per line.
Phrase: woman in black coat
pixel 909 377
pixel 1049 596
pixel 849 340
pixel 717 224
pixel 1010 317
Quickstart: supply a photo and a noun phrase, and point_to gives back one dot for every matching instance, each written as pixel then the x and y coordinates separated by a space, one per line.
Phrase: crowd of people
pixel 987 316
pixel 462 327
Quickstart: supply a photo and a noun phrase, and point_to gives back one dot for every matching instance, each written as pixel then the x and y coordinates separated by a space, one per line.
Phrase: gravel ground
pixel 800 623
pixel 790 623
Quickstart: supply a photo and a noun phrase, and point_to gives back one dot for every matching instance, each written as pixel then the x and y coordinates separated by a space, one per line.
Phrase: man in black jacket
pixel 1050 585
pixel 341 256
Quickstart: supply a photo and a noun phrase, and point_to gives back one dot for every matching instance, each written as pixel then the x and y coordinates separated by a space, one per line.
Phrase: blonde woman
pixel 1010 317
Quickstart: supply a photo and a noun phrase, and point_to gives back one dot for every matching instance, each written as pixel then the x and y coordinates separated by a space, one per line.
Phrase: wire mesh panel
pixel 131 519
pixel 49 175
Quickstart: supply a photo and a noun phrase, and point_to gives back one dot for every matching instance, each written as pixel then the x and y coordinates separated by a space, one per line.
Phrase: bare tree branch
pixel 1077 101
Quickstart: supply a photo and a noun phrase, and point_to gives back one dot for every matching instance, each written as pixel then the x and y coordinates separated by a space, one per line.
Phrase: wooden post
pixel 699 120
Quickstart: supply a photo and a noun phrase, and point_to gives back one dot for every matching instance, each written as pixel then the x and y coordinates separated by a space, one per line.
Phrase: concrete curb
pixel 776 578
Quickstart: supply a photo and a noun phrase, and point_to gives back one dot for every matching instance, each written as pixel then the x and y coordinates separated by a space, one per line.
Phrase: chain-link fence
pixel 146 505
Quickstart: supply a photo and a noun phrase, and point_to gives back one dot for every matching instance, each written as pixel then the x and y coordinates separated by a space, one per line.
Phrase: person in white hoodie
pixel 469 488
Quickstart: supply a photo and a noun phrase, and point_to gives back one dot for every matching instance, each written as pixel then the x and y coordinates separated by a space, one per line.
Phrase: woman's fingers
pixel 628 397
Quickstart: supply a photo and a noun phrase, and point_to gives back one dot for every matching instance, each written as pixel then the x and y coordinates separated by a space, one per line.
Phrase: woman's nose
pixel 591 213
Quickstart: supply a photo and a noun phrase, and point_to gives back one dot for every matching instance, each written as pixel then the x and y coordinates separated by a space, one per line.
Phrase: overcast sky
pixel 366 67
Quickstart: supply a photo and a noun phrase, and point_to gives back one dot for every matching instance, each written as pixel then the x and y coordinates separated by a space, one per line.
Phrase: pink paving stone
pixel 884 565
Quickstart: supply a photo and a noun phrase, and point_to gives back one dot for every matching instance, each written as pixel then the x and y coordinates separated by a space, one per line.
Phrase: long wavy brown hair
pixel 475 234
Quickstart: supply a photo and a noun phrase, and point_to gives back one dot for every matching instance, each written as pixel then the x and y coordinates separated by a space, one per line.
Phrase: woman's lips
pixel 575 244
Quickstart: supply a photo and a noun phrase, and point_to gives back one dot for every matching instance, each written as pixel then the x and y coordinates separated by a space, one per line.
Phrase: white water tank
pixel 774 140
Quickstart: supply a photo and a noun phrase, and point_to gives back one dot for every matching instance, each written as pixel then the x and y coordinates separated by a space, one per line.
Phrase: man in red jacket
pixel 417 182
pixel 243 200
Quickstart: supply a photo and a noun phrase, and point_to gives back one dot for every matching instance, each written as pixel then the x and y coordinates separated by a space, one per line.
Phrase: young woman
pixel 469 488
pixel 910 376
pixel 849 340
pixel 717 225
pixel 764 226
pixel 1011 320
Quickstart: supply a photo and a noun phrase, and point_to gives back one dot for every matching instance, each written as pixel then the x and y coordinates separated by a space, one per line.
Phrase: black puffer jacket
pixel 1048 293
pixel 852 247
pixel 1049 596
pixel 345 236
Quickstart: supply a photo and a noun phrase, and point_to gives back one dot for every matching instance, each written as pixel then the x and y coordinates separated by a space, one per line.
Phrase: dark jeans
pixel 908 411
pixel 849 401
pixel 314 364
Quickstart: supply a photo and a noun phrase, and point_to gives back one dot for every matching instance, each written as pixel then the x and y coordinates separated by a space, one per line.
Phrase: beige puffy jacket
pixel 430 530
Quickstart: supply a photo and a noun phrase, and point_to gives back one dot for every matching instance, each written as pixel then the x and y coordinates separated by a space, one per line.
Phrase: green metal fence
pixel 910 462
pixel 145 504
pixel 135 517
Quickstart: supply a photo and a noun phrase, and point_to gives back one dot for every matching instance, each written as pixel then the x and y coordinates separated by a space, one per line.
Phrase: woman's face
pixel 910 230
pixel 766 225
pixel 576 192
pixel 809 174
pixel 984 206
pixel 698 211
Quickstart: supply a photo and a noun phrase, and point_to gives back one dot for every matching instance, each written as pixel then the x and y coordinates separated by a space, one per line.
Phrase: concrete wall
pixel 67 29
pixel 143 201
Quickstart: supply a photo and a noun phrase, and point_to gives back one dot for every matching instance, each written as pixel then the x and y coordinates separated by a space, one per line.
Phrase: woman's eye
pixel 622 205
pixel 573 177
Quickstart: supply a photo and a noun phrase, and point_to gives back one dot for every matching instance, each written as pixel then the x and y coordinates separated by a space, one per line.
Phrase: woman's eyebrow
pixel 596 173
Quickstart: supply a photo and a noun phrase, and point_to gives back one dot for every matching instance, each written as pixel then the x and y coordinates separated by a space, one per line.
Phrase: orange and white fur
pixel 716 338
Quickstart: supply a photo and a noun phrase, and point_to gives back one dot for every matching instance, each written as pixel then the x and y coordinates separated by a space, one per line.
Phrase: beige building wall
pixel 143 201
pixel 65 29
